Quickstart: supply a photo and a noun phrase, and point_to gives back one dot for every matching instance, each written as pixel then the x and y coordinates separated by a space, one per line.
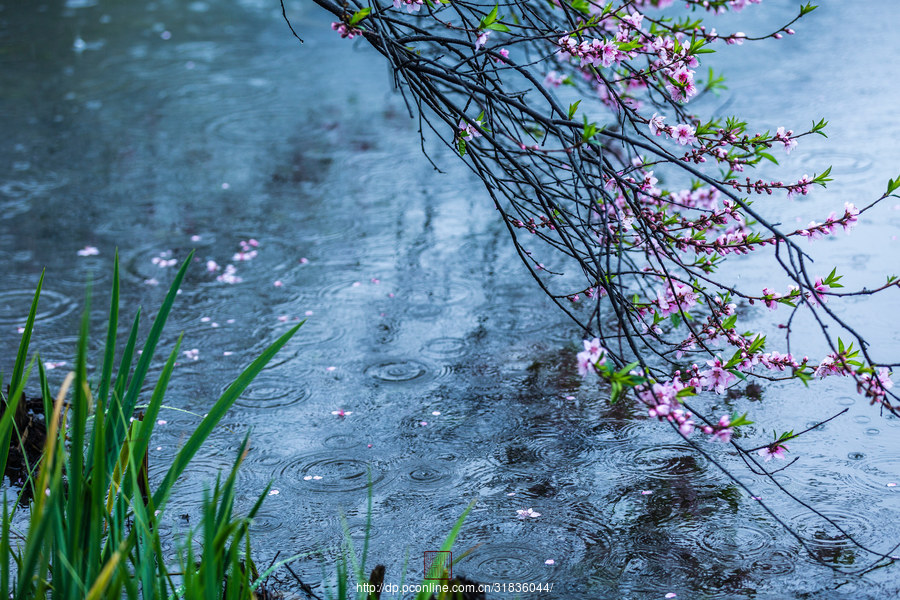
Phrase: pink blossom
pixel 683 76
pixel 594 354
pixel 526 513
pixel 830 365
pixel 716 377
pixel 684 134
pixel 554 79
pixel 770 452
pixel 656 124
pixel 482 39
pixel 635 19
pixel 596 351
pixel 467 131
pixel 850 216
pixel 411 5
pixel 771 298
pixel 346 32
pixel 723 431
pixel 819 288
pixel 585 364
pixel 88 251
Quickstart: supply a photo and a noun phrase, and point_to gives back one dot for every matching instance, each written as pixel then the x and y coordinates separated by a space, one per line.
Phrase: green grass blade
pixel 227 503
pixel 114 405
pixel 75 520
pixel 209 422
pixel 112 329
pixel 46 396
pixel 145 430
pixel 448 544
pixel 22 356
pixel 143 365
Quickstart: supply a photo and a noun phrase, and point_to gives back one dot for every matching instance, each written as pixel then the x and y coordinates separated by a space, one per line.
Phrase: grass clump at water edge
pixel 93 519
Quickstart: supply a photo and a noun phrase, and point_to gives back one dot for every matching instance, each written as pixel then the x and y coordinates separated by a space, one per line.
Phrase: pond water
pixel 158 127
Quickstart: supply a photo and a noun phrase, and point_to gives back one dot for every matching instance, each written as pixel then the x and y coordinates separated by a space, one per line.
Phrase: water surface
pixel 161 127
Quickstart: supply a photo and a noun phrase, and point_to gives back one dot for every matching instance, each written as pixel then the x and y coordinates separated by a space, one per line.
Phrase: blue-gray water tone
pixel 140 125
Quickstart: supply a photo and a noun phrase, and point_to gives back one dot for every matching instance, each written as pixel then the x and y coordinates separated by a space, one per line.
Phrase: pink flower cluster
pixel 847 221
pixel 554 79
pixel 662 398
pixel 411 5
pixel 469 131
pixel 675 297
pixel 345 31
pixel 682 133
pixel 875 386
pixel 738 5
pixel 591 357
pixel 721 431
pixel 785 137
pixel 773 451
pixel 599 53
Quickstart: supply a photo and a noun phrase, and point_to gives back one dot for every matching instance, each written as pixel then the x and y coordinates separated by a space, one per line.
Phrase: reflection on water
pixel 158 127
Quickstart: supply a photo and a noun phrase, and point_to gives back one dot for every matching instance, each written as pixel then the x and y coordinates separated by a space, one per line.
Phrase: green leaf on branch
pixel 497 27
pixel 759 343
pixel 582 6
pixel 818 127
pixel 622 380
pixel 807 8
pixel 823 178
pixel 359 16
pixel 489 18
pixel 461 147
pixel 590 130
pixel 893 185
pixel 628 46
pixel 573 108
pixel 686 392
pixel 783 437
pixel 738 374
pixel 738 421
pixel 768 156
pixel 833 278
pixel 803 375
pixel 735 360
